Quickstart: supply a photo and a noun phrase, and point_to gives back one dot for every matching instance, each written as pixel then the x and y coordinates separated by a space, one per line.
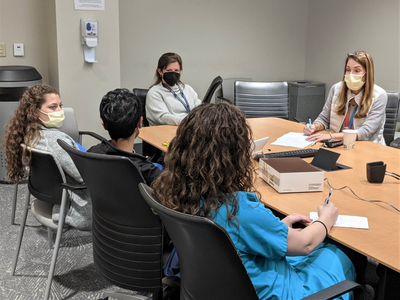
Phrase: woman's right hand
pixel 328 214
pixel 309 131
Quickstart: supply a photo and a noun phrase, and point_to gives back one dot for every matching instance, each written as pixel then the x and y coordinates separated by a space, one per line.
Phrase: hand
pixel 328 214
pixel 309 131
pixel 318 137
pixel 294 218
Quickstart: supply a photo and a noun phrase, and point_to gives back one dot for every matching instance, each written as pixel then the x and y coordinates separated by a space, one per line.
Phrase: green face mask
pixel 56 119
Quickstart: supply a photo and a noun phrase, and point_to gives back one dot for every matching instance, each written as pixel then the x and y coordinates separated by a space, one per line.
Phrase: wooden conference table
pixel 382 241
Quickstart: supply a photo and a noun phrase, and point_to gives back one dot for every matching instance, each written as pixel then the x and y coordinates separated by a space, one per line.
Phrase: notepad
pixel 292 139
pixel 346 221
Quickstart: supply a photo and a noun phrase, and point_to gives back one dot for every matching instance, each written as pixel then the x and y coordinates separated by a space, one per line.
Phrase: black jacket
pixel 148 170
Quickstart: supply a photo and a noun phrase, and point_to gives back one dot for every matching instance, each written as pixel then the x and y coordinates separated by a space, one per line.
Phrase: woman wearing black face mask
pixel 169 100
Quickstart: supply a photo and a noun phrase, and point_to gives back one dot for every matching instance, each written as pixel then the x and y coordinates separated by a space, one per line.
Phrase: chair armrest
pixel 224 99
pixel 395 143
pixel 336 290
pixel 93 134
pixel 299 121
pixel 73 187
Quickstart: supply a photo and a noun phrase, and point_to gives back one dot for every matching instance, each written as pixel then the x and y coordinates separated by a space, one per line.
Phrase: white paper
pixel 89 4
pixel 292 139
pixel 346 221
pixel 89 54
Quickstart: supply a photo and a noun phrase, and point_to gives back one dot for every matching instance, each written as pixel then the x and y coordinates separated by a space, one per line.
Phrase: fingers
pixel 317 137
pixel 307 130
pixel 300 218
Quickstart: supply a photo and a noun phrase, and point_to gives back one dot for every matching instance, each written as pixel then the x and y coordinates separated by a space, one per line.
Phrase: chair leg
pixel 56 244
pixel 21 232
pixel 50 237
pixel 14 203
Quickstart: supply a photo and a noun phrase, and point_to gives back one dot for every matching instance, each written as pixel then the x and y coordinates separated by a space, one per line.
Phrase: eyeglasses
pixel 359 53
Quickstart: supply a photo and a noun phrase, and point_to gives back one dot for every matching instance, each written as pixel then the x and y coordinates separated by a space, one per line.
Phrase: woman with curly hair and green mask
pixel 35 124
pixel 208 172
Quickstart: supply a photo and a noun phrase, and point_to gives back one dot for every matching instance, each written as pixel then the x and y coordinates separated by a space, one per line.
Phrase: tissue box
pixel 291 175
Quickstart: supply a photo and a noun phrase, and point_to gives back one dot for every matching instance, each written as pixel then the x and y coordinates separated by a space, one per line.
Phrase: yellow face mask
pixel 56 119
pixel 354 82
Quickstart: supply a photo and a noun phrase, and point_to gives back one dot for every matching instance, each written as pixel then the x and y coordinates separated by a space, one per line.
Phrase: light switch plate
pixel 3 50
pixel 18 49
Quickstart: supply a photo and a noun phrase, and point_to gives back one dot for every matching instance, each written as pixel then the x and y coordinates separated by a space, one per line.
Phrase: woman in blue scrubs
pixel 209 173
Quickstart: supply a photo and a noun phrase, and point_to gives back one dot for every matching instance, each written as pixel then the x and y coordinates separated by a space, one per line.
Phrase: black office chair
pixel 127 235
pixel 147 149
pixel 212 88
pixel 392 110
pixel 210 265
pixel 48 184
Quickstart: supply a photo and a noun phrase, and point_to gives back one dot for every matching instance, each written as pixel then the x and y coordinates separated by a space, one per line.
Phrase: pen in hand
pixel 327 198
pixel 309 121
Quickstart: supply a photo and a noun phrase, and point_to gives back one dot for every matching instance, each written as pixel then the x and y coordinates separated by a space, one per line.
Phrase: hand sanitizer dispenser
pixel 90 35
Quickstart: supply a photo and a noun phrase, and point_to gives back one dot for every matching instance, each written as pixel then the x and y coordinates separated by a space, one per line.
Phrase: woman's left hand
pixel 294 218
pixel 318 137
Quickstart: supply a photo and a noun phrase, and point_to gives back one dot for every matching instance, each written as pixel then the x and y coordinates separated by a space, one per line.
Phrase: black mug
pixel 376 171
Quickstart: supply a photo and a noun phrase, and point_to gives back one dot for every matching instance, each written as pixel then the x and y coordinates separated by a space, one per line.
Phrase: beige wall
pixel 82 85
pixel 336 27
pixel 25 21
pixel 260 39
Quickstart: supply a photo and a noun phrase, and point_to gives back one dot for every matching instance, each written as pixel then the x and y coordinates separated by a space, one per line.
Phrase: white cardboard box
pixel 291 175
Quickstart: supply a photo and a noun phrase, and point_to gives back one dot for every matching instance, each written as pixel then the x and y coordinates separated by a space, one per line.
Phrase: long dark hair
pixel 163 62
pixel 207 162
pixel 24 127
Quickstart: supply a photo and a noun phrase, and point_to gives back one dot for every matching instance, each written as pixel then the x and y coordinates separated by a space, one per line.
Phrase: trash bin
pixel 14 80
pixel 306 100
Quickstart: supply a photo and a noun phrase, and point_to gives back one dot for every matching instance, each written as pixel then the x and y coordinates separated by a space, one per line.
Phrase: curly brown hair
pixel 208 160
pixel 24 127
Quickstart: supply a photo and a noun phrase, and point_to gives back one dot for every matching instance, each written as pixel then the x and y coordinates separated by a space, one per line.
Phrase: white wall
pixel 260 39
pixel 336 27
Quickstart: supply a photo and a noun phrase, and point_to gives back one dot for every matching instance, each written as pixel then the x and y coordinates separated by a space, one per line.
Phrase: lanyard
pixel 184 102
pixel 348 123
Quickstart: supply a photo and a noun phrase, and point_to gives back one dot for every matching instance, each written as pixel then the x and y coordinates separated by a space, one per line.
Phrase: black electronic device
pixel 294 153
pixel 332 143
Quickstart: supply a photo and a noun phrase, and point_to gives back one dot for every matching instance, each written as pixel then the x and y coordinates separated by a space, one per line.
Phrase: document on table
pixel 346 221
pixel 292 139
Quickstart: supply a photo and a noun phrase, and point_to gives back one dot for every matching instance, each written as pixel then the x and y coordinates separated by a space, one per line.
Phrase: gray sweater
pixel 371 126
pixel 162 108
pixel 80 211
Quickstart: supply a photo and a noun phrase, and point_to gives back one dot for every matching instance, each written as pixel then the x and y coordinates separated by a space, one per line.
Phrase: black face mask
pixel 171 78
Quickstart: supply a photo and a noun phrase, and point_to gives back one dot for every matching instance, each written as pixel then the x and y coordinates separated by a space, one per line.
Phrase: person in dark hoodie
pixel 121 115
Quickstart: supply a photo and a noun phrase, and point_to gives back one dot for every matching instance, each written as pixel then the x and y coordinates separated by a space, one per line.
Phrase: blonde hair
pixel 365 60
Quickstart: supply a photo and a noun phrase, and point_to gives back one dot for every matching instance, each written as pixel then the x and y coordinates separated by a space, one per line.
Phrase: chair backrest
pixel 210 265
pixel 392 110
pixel 45 177
pixel 227 90
pixel 142 94
pixel 127 235
pixel 70 125
pixel 212 88
pixel 262 99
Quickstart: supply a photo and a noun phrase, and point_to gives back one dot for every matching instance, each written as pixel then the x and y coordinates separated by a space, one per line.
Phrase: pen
pixel 309 121
pixel 327 198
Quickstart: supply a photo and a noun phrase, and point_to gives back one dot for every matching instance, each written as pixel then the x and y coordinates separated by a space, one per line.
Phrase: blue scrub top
pixel 261 241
